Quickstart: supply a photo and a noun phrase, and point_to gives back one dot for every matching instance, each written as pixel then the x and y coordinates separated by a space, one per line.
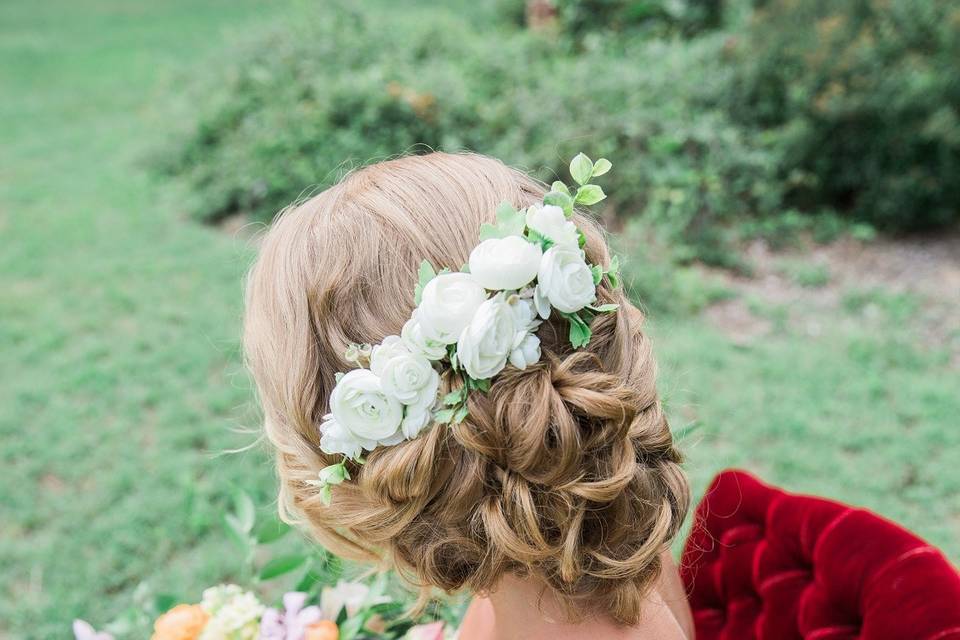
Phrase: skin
pixel 520 610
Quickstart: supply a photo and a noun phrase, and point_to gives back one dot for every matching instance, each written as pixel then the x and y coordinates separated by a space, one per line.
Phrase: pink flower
pixel 432 631
pixel 292 623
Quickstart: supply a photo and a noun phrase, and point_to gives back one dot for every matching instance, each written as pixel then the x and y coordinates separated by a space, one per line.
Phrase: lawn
pixel 122 385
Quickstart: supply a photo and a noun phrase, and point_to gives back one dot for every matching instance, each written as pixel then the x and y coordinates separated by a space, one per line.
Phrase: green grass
pixel 119 327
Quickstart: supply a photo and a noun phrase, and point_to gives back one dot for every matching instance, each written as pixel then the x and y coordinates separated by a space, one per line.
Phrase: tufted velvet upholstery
pixel 762 564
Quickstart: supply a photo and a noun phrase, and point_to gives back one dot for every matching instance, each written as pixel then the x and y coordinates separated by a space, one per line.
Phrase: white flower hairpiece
pixel 474 321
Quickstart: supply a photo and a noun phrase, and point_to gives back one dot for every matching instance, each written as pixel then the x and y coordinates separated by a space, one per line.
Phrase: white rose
pixel 524 315
pixel 550 222
pixel 486 343
pixel 416 417
pixel 360 405
pixel 447 305
pixel 334 439
pixel 381 354
pixel 505 263
pixel 565 280
pixel 526 352
pixel 408 377
pixel 412 335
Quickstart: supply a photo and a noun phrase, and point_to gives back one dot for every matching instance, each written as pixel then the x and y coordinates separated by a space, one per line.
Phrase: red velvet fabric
pixel 763 564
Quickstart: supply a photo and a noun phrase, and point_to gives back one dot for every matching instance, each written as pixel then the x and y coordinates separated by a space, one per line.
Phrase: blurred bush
pixel 300 105
pixel 861 99
pixel 582 19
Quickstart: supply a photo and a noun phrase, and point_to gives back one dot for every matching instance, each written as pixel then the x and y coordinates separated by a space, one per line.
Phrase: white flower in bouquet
pixel 564 280
pixel 551 223
pixel 447 305
pixel 234 614
pixel 505 263
pixel 486 342
pixel 351 596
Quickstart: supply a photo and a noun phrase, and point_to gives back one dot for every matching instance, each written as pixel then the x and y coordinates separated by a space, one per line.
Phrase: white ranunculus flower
pixel 360 405
pixel 526 352
pixel 548 220
pixel 565 280
pixel 447 305
pixel 524 314
pixel 408 377
pixel 485 344
pixel 334 439
pixel 505 263
pixel 418 416
pixel 412 335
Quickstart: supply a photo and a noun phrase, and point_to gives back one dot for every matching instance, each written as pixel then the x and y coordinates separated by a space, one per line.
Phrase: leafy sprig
pixel 329 477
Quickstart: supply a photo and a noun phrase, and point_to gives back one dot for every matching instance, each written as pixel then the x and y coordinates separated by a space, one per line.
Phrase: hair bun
pixel 565 471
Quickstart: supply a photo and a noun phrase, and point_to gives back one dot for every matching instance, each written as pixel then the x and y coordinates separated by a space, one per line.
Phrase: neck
pixel 524 609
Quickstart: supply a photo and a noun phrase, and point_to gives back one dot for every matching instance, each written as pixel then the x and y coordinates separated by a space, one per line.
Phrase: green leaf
pixel 326 494
pixel 271 530
pixel 235 530
pixel 310 578
pixel 579 330
pixel 484 385
pixel 465 268
pixel 163 602
pixel 605 308
pixel 455 397
pixel 613 272
pixel 444 416
pixel 581 168
pixel 601 166
pixel 461 414
pixel 559 187
pixel 351 627
pixel 590 194
pixel 244 510
pixel 333 474
pixel 581 239
pixel 426 273
pixel 597 272
pixel 510 222
pixel 281 565
pixel 536 237
pixel 562 200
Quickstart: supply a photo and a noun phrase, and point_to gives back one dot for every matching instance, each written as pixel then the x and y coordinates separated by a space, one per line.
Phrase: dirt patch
pixel 808 285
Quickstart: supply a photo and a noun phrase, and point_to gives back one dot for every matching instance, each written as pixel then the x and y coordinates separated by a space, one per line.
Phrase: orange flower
pixel 183 622
pixel 323 630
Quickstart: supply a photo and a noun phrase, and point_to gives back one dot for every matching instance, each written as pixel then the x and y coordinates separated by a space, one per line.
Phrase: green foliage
pixel 302 102
pixel 860 98
pixel 602 18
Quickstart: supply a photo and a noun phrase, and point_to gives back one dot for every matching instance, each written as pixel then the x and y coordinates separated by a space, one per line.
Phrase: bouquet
pixel 322 605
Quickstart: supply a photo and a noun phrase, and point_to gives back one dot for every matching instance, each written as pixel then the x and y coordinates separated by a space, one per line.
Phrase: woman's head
pixel 565 471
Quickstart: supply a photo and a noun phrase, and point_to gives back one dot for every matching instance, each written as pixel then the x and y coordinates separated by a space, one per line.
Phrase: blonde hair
pixel 565 472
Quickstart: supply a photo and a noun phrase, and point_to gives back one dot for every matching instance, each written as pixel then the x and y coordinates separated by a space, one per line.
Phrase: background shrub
pixel 302 104
pixel 861 99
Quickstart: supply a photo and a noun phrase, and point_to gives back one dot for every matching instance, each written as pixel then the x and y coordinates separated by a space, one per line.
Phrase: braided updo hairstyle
pixel 565 472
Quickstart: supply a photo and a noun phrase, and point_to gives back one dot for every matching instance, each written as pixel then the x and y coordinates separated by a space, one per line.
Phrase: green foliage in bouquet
pixel 302 581
pixel 861 98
